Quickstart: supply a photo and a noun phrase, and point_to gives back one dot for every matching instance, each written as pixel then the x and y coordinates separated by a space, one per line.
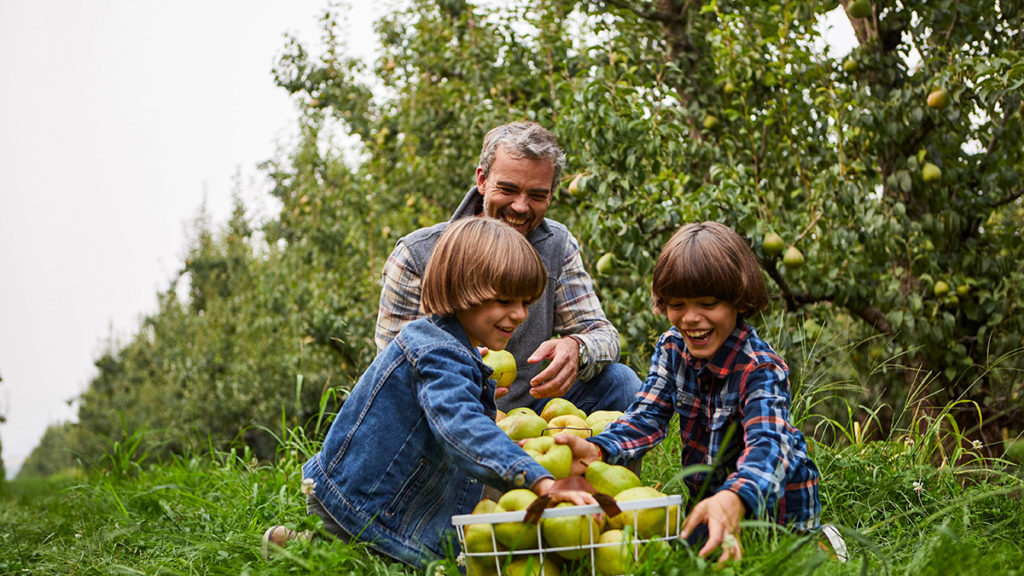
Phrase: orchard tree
pixel 892 176
pixel 881 190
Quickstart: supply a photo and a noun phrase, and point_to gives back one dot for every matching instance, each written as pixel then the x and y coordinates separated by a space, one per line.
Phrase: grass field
pixel 900 512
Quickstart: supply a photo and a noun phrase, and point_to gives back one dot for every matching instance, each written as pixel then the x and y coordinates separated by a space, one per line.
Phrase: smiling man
pixel 518 173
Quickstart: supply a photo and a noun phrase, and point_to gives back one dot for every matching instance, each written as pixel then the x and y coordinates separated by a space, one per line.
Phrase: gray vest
pixel 550 240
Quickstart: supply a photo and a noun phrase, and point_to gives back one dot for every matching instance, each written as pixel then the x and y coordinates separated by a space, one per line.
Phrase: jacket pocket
pixel 408 491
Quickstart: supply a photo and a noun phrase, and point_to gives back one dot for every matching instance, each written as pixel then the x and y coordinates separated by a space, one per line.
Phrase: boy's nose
pixel 519 313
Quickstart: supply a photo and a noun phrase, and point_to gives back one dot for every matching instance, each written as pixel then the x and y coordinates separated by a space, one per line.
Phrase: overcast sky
pixel 117 119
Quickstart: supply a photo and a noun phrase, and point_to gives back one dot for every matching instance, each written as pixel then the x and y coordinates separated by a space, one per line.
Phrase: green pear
pixel 793 258
pixel 555 458
pixel 532 566
pixel 938 98
pixel 648 522
pixel 606 264
pixel 478 536
pixel 613 556
pixel 516 535
pixel 560 407
pixel 773 244
pixel 480 540
pixel 610 479
pixel 576 531
pixel 504 366
pixel 930 173
pixel 570 423
pixel 522 425
pixel 576 186
pixel 599 419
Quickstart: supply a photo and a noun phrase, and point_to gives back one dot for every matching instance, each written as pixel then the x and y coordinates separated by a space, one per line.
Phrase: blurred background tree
pixel 886 183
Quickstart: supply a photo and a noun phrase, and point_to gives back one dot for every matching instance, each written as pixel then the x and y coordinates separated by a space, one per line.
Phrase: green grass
pixel 205 514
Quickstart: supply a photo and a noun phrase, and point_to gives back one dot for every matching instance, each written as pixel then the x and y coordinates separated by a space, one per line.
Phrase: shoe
pixel 277 536
pixel 831 541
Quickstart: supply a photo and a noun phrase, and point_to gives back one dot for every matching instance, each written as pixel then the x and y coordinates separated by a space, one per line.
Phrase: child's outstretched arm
pixel 722 514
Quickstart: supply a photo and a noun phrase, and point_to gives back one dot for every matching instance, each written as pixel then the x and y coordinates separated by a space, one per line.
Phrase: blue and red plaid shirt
pixel 734 416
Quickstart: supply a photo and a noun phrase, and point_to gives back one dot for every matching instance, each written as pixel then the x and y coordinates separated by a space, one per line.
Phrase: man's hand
pixel 722 514
pixel 555 380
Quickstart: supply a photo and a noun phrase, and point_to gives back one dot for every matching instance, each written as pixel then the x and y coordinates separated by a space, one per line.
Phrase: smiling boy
pixel 730 389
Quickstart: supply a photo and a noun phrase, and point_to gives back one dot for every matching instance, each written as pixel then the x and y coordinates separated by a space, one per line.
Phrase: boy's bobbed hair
pixel 709 259
pixel 479 259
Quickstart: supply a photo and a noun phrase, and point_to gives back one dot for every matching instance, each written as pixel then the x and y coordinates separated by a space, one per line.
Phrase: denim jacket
pixel 413 442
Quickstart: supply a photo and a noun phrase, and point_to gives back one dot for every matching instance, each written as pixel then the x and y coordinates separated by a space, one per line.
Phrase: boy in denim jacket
pixel 416 439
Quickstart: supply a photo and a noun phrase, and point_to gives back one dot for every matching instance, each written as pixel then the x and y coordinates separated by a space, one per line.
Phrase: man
pixel 519 170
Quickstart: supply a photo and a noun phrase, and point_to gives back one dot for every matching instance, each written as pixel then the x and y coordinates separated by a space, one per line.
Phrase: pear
pixel 532 566
pixel 575 533
pixel 648 522
pixel 597 420
pixel 504 366
pixel 610 479
pixel 558 407
pixel 516 535
pixel 479 540
pixel 773 244
pixel 793 258
pixel 938 98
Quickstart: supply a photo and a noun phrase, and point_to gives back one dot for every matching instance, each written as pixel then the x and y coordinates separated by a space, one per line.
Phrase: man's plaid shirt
pixel 734 416
pixel 577 308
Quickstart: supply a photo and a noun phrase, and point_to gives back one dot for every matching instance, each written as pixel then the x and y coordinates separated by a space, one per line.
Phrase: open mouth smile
pixel 699 336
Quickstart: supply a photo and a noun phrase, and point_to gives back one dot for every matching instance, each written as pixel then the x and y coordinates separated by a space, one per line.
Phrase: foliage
pixel 671 111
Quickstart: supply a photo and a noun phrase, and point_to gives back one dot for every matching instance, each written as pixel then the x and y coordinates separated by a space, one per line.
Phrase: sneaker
pixel 277 536
pixel 831 541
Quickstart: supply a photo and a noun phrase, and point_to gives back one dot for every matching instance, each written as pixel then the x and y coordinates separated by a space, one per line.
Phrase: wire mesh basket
pixel 644 525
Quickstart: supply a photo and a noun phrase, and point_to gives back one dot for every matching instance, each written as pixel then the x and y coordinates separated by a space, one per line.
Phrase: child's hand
pixel 577 497
pixel 722 514
pixel 583 452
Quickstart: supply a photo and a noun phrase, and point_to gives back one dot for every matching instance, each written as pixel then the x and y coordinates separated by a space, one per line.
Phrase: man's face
pixel 517 191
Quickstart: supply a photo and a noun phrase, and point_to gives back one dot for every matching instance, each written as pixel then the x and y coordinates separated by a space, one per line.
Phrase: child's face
pixel 704 322
pixel 491 323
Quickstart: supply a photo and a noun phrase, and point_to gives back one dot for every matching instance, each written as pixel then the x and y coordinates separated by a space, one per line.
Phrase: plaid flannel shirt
pixel 577 309
pixel 734 416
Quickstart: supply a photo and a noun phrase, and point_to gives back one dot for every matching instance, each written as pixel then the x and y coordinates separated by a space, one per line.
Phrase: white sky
pixel 117 117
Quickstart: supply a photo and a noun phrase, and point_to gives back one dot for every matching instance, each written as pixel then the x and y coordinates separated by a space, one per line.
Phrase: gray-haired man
pixel 520 165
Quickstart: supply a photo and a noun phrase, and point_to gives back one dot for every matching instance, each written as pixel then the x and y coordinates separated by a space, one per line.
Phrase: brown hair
pixel 709 259
pixel 480 259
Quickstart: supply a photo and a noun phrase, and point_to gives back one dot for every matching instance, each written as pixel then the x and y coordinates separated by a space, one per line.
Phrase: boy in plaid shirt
pixel 730 389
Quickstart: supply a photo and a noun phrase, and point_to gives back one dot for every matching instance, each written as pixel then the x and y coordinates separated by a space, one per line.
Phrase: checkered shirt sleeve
pixel 399 296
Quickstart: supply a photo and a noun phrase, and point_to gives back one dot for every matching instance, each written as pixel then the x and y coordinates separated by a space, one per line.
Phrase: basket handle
pixel 606 502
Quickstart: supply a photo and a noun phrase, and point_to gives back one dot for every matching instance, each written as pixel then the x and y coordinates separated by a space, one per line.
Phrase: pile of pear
pixel 612 543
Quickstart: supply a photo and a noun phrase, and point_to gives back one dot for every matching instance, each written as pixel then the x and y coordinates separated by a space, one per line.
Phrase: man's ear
pixel 481 179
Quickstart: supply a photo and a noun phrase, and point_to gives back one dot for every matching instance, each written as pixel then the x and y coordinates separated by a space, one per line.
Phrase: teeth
pixel 699 335
pixel 515 221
